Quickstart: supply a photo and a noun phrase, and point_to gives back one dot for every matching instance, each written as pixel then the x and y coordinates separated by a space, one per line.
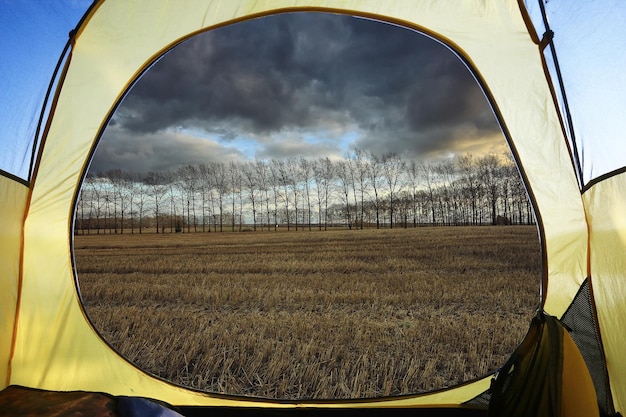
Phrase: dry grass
pixel 337 314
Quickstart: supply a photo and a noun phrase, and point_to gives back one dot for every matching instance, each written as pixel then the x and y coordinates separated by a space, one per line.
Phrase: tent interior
pixel 553 76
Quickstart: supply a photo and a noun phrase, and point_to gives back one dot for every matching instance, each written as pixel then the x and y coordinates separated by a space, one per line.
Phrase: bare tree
pixel 204 173
pixel 213 193
pixel 448 177
pixel 99 197
pixel 306 173
pixel 107 198
pixel 142 197
pixel 412 171
pixel 221 188
pixel 189 179
pixel 520 204
pixel 157 188
pixel 374 174
pixel 361 165
pixel 234 187
pixel 403 207
pixel 351 165
pixel 117 180
pixel 393 167
pixel 428 178
pixel 285 179
pixel 292 179
pixel 275 183
pixel 471 184
pixel 343 173
pixel 251 182
pixel 132 187
pixel 79 217
pixel 323 172
pixel 489 173
pixel 90 197
pixel 262 175
pixel 174 222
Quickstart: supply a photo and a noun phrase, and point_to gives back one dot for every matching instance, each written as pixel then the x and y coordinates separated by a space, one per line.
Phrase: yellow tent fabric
pixel 605 203
pixel 578 393
pixel 13 197
pixel 545 376
pixel 52 344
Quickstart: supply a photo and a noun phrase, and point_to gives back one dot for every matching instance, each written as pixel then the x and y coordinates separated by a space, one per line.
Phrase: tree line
pixel 361 190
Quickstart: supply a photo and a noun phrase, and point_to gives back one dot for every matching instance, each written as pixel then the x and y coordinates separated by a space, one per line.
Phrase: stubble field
pixel 314 315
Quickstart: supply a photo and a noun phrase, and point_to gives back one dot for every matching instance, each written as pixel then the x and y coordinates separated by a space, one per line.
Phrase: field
pixel 314 315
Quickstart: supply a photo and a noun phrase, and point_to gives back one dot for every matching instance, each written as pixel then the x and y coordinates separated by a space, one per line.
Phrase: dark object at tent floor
pixel 27 402
pixel 331 412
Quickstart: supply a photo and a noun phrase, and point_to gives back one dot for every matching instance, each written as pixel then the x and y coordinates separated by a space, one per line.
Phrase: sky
pixel 33 34
pixel 299 84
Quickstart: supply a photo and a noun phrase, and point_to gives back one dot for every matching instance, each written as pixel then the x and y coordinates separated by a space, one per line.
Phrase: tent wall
pixel 13 197
pixel 55 346
pixel 605 203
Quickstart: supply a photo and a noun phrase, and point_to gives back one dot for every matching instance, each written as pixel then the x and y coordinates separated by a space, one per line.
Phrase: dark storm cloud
pixel 165 151
pixel 310 72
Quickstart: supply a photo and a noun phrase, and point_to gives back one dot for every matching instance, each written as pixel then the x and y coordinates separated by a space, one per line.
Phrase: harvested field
pixel 312 315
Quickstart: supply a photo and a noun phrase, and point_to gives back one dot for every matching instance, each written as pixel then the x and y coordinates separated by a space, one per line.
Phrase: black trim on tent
pixel 542 44
pixel 580 318
pixel 603 177
pixel 47 109
pixel 548 41
pixel 55 80
pixel 15 178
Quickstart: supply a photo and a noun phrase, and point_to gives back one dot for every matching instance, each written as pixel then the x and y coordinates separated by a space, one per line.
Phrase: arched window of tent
pixel 307 205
